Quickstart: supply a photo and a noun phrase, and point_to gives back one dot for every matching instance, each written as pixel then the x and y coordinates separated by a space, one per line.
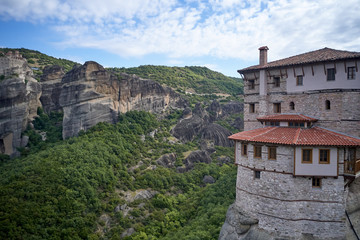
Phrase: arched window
pixel 292 106
pixel 327 105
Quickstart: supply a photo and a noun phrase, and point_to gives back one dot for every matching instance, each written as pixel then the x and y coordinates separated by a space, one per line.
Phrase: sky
pixel 223 35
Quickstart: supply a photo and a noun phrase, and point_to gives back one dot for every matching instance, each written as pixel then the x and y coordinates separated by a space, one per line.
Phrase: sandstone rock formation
pixel 167 160
pixel 197 157
pixel 198 123
pixel 19 100
pixel 90 94
pixel 51 88
pixel 353 209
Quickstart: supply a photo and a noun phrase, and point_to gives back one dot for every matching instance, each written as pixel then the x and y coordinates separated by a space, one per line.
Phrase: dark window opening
pixel 244 149
pixel 324 156
pixel 276 81
pixel 327 105
pixel 272 153
pixel 299 80
pixel 292 106
pixel 330 74
pixel 351 73
pixel 251 107
pixel 316 182
pixel 251 84
pixel 306 156
pixel 257 151
pixel 277 107
pixel 257 174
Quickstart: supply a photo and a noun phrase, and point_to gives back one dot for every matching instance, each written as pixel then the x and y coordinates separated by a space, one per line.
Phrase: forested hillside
pixel 195 80
pixel 76 189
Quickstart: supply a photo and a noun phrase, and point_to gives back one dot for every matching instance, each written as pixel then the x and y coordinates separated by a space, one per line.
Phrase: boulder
pixel 197 157
pixel 167 160
pixel 216 133
pixel 208 179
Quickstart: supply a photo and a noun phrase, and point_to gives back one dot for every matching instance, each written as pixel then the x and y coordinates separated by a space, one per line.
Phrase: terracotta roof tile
pixel 321 55
pixel 315 136
pixel 287 118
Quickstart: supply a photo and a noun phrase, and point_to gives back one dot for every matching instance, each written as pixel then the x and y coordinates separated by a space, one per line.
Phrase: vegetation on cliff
pixel 74 189
pixel 193 80
pixel 38 60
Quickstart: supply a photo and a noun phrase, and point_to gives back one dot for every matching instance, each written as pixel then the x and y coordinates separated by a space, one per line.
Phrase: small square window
pixel 244 149
pixel 316 182
pixel 351 73
pixel 257 174
pixel 330 74
pixel 324 156
pixel 257 151
pixel 306 156
pixel 272 153
pixel 251 84
pixel 276 81
pixel 299 80
pixel 277 107
pixel 251 107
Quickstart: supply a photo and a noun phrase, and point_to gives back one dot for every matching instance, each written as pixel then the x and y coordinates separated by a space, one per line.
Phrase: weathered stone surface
pixel 236 225
pixel 197 157
pixel 216 133
pixel 353 209
pixel 167 160
pixel 51 88
pixel 90 94
pixel 188 128
pixel 19 100
pixel 208 179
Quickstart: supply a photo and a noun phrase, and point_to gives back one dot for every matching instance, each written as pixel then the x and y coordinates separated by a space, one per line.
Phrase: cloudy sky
pixel 223 35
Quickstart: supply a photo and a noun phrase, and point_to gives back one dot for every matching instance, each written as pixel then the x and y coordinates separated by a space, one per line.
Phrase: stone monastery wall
pixel 285 205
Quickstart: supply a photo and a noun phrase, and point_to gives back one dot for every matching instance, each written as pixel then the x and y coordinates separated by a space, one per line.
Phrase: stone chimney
pixel 263 55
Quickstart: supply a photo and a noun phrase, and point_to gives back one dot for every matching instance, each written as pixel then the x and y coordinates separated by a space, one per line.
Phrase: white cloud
pixel 218 28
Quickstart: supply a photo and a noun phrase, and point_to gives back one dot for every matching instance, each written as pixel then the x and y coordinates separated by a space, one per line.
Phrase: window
pixel 251 84
pixel 277 107
pixel 306 156
pixel 292 106
pixel 299 80
pixel 257 151
pixel 257 174
pixel 251 107
pixel 324 156
pixel 330 74
pixel 272 153
pixel 327 105
pixel 244 149
pixel 276 81
pixel 316 182
pixel 351 73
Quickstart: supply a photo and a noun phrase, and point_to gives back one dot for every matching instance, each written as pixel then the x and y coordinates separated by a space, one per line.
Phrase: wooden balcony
pixel 352 167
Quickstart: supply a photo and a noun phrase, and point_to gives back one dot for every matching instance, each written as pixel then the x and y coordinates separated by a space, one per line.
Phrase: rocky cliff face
pixel 51 88
pixel 19 100
pixel 90 94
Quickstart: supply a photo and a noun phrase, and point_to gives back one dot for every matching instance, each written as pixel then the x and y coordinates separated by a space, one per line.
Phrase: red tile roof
pixel 287 118
pixel 315 136
pixel 321 55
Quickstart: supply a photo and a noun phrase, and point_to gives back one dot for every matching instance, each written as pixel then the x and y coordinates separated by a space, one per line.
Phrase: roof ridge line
pixel 269 130
pixel 296 136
